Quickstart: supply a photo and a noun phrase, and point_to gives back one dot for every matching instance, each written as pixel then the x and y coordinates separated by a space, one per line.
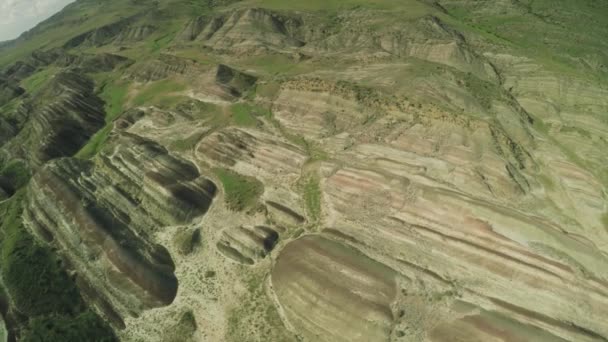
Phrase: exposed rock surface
pixel 8 91
pixel 252 30
pixel 234 81
pixel 120 32
pixel 57 121
pixel 105 212
pixel 332 292
pixel 247 244
pixel 163 67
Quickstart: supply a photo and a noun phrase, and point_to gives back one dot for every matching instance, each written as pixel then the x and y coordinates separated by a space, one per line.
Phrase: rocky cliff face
pixel 57 121
pixel 255 171
pixel 105 211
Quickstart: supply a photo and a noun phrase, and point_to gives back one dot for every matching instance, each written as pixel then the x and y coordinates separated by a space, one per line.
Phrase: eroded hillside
pixel 262 170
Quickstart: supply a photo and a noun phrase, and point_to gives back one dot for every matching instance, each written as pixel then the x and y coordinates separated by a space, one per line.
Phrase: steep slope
pixel 264 170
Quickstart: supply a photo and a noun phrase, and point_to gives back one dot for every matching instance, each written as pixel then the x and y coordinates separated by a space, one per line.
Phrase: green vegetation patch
pixel 256 319
pixel 37 80
pixel 155 92
pixel 484 92
pixel 17 172
pixel 245 114
pixel 8 108
pixel 160 43
pixel 240 192
pixel 273 64
pixel 183 330
pixel 39 286
pixel 188 143
pixel 95 144
pixel 546 181
pixel 77 18
pixel 566 38
pixel 314 151
pixel 312 198
pixel 415 8
pixel 115 96
pixel 242 116
pixel 33 276
pixel 86 326
pixel 268 90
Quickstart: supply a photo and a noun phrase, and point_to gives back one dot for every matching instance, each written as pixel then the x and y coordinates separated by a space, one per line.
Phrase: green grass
pixel 34 277
pixel 268 90
pixel 484 92
pixel 87 326
pixel 17 172
pixel 605 220
pixel 244 114
pixel 256 311
pixel 160 43
pixel 273 64
pixel 168 30
pixel 115 96
pixel 199 110
pixel 171 101
pixel 312 198
pixel 156 92
pixel 570 29
pixel 415 8
pixel 186 144
pixel 95 144
pixel 78 18
pixel 40 288
pixel 37 80
pixel 546 181
pixel 240 192
pixel 10 106
pixel 314 150
pixel 196 55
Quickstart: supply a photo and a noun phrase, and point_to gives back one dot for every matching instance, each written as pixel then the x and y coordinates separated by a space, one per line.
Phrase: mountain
pixel 264 170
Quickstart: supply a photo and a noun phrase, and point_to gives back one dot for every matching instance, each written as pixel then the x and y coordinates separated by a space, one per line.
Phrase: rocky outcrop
pixel 43 129
pixel 162 67
pixel 194 28
pixel 9 91
pixel 332 292
pixel 19 70
pixel 123 31
pixel 247 245
pixel 104 212
pixel 267 156
pixel 40 58
pixel 58 121
pixel 315 108
pixel 233 81
pixel 423 219
pixel 431 39
pixel 134 34
pixel 252 30
pixel 103 62
pixel 88 63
